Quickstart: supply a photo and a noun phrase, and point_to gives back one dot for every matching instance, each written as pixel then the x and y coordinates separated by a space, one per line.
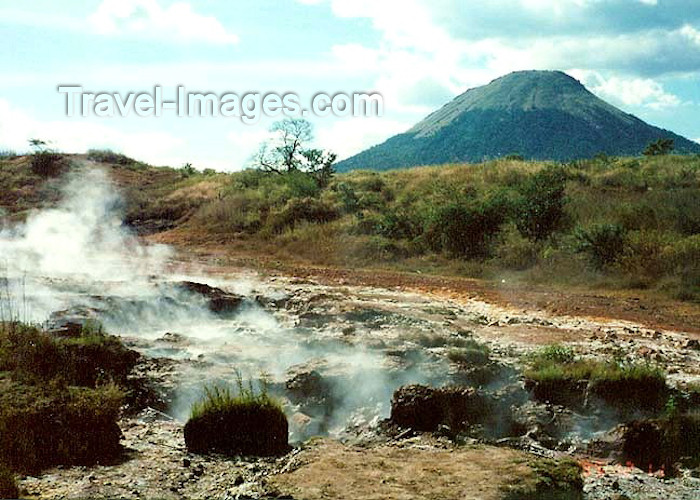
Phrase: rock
pixel 255 429
pixel 425 408
pixel 692 344
pixel 307 385
pixel 69 323
pixel 219 301
pixel 174 338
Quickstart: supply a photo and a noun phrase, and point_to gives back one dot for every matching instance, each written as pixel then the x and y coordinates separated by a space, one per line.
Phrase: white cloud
pixel 148 19
pixel 430 50
pixel 349 137
pixel 643 92
pixel 17 127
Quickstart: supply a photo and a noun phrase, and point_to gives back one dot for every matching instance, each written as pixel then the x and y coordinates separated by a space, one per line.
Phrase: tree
pixel 659 147
pixel 287 151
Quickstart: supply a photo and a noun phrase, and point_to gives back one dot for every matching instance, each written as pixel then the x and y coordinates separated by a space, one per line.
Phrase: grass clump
pixel 247 422
pixel 60 397
pixel 556 375
pixel 36 357
pixel 473 354
pixel 42 426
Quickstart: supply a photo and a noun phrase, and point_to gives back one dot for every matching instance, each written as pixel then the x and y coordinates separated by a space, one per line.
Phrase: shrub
pixel 465 228
pixel 248 423
pixel 604 243
pixel 302 209
pixel 540 208
pixel 514 251
pixel 555 353
pixel 662 146
pixel 46 162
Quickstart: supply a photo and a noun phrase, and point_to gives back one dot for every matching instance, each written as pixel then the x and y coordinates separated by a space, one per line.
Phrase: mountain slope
pixel 543 115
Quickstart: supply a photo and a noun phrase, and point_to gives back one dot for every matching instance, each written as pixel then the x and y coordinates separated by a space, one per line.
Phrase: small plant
pixel 555 353
pixel 45 162
pixel 551 479
pixel 187 170
pixel 473 355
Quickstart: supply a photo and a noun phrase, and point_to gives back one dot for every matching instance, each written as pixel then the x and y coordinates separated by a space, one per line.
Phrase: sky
pixel 640 55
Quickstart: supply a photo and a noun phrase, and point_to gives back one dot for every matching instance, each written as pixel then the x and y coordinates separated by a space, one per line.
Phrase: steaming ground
pixel 344 349
pixel 78 261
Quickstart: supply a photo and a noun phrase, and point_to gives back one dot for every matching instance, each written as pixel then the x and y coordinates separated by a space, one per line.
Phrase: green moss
pixel 551 479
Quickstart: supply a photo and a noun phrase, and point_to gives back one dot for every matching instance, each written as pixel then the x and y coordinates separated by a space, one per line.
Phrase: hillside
pixel 621 223
pixel 540 115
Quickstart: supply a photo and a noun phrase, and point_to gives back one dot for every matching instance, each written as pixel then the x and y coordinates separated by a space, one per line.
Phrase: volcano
pixel 539 115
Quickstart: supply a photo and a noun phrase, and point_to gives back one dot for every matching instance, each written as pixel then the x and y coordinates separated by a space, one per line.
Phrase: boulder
pixel 218 300
pixel 426 409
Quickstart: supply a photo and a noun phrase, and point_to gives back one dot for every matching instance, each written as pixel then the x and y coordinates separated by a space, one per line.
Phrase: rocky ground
pixel 335 354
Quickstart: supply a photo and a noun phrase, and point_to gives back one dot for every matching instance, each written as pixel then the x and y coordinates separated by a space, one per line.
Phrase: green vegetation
pixel 551 479
pixel 45 161
pixel 473 354
pixel 555 374
pixel 248 422
pixel 109 156
pixel 87 360
pixel 662 146
pixel 606 222
pixel 220 399
pixel 60 397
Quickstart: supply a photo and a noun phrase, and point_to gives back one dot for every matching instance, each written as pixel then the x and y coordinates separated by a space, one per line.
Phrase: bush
pixel 604 243
pixel 514 251
pixel 540 208
pixel 660 147
pixel 555 353
pixel 248 423
pixel 302 209
pixel 465 228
